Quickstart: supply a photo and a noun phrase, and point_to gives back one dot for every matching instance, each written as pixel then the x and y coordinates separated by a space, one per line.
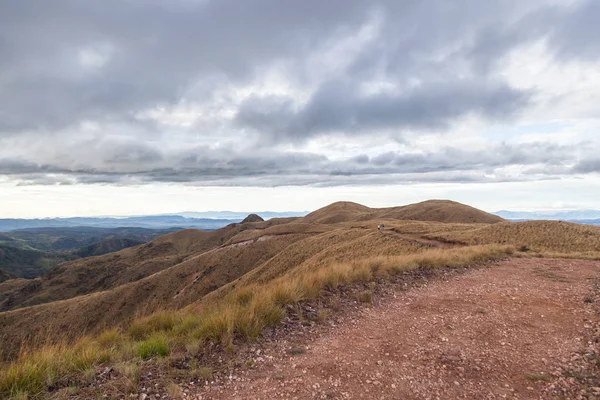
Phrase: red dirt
pixel 508 331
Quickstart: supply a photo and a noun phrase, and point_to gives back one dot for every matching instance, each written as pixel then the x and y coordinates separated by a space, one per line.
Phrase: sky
pixel 129 107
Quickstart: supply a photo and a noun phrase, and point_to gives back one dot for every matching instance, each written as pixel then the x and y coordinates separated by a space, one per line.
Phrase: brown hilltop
pixel 440 211
pixel 431 210
pixel 253 218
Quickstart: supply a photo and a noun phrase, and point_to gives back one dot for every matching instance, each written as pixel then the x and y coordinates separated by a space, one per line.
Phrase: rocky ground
pixel 521 329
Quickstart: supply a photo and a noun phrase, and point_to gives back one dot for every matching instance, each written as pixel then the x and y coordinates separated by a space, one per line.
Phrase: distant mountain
pixel 587 221
pixel 74 238
pixel 29 253
pixel 209 220
pixel 4 276
pixel 150 222
pixel 107 246
pixel 29 263
pixel 240 214
pixel 581 216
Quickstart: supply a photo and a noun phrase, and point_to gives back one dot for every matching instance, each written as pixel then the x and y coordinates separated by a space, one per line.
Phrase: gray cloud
pixel 226 167
pixel 351 68
pixel 588 165
pixel 338 107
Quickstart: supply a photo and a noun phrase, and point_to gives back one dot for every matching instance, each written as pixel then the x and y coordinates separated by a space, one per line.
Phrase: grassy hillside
pixel 106 246
pixel 30 253
pixel 555 236
pixel 239 316
pixel 74 238
pixel 432 210
pixel 28 263
pixel 441 211
pixel 229 284
pixel 4 276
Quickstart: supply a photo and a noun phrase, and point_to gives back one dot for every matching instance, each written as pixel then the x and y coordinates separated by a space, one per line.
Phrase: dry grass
pixel 131 372
pixel 174 391
pixel 243 314
pixel 538 236
pixel 582 255
pixel 34 371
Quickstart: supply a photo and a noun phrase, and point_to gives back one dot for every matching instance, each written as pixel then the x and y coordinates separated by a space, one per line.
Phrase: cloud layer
pixel 271 93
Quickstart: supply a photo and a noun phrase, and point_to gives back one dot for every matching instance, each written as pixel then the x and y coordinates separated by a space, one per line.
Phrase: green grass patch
pixel 155 345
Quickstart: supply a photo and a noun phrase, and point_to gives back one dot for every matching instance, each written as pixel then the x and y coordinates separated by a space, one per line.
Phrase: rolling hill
pixel 24 263
pixel 74 238
pixel 4 276
pixel 431 210
pixel 106 246
pixel 29 253
pixel 190 266
pixel 555 236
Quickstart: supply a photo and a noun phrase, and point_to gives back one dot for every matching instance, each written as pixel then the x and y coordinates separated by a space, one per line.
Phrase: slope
pixel 4 276
pixel 431 210
pixel 440 211
pixel 93 274
pixel 107 246
pixel 180 268
pixel 28 263
pixel 554 236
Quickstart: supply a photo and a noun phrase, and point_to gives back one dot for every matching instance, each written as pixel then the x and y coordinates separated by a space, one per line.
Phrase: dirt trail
pixel 501 332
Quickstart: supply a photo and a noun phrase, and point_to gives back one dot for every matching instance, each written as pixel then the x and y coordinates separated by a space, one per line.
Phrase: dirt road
pixel 523 329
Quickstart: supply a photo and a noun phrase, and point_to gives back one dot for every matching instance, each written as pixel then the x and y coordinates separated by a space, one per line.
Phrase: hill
pixel 253 218
pixel 4 276
pixel 431 210
pixel 28 263
pixel 150 222
pixel 441 211
pixel 232 282
pixel 74 238
pixel 549 236
pixel 30 253
pixel 106 246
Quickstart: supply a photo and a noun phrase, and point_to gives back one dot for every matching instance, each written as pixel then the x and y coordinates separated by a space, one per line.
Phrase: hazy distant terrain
pixel 198 220
pixel 29 253
pixel 31 247
pixel 591 217
pixel 150 222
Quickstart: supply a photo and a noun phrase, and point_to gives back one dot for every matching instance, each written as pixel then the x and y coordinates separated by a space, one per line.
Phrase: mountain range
pixel 196 220
pixel 591 217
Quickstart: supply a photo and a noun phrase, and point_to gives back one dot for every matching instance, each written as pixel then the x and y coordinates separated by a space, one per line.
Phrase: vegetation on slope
pixel 30 253
pixel 74 238
pixel 537 236
pixel 226 286
pixel 4 276
pixel 28 263
pixel 432 210
pixel 106 246
pixel 241 315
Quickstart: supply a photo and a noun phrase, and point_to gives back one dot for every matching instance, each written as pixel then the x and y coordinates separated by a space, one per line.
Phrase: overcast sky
pixel 120 107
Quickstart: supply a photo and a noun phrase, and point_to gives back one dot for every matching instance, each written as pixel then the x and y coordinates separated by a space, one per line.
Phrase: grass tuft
pixel 155 345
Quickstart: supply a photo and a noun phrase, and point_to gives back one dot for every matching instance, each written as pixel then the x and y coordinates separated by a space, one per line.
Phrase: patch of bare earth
pixel 521 329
